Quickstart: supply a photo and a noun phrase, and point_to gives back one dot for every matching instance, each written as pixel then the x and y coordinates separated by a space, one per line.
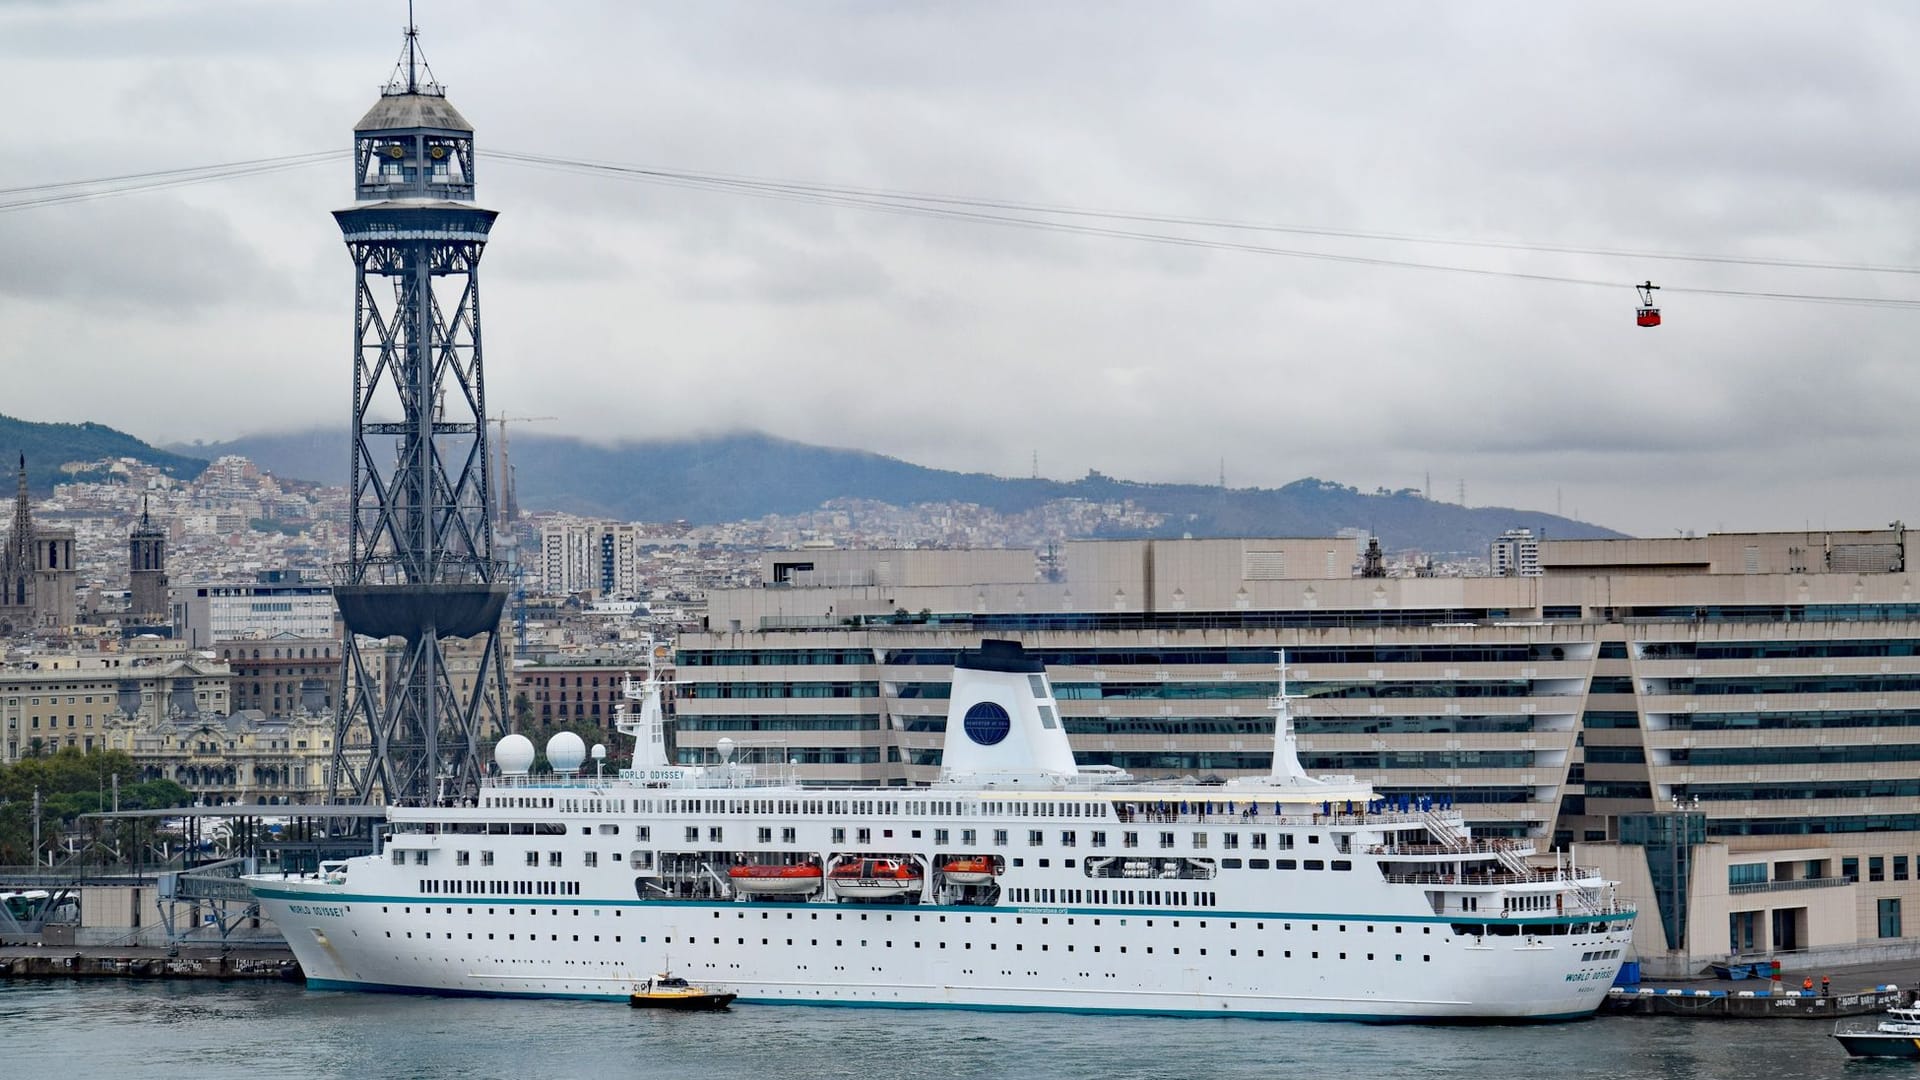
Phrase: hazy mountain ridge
pixel 49 446
pixel 745 476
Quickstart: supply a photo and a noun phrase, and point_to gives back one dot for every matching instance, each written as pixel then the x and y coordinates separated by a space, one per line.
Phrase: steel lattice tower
pixel 420 568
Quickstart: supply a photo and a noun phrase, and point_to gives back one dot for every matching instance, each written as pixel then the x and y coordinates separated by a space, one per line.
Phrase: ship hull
pixel 1880 1046
pixel 1274 965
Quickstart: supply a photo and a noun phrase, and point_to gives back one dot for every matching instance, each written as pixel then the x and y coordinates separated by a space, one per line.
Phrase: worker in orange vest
pixel 1807 984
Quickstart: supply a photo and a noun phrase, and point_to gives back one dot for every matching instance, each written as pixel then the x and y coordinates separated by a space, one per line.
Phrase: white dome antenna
pixel 514 755
pixel 565 752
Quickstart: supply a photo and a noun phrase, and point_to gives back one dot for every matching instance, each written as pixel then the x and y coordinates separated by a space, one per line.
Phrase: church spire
pixel 19 554
pixel 22 516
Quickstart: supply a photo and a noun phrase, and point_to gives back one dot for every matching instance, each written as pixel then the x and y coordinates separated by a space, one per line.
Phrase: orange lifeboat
pixel 875 879
pixel 763 880
pixel 971 870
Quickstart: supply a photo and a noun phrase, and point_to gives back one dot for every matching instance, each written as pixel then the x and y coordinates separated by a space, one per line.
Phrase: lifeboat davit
pixel 761 880
pixel 969 871
pixel 874 879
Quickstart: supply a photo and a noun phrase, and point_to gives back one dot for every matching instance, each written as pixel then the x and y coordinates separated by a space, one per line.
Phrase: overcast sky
pixel 1780 131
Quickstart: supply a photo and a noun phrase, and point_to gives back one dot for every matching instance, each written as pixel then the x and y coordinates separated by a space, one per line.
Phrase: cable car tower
pixel 420 571
pixel 1648 315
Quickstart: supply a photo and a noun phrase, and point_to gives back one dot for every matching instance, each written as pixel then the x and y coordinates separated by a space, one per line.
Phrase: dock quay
pixel 1748 1004
pixel 69 962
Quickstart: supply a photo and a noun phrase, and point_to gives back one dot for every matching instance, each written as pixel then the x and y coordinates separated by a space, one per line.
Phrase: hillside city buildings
pixel 1729 724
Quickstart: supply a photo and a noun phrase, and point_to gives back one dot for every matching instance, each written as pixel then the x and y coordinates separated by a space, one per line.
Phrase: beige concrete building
pixel 55 701
pixel 1769 682
pixel 282 673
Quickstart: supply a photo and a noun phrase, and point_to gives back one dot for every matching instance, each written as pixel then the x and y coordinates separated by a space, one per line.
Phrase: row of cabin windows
pixel 860 807
pixel 788 835
pixel 1149 897
pixel 479 887
pixel 994 946
pixel 387 909
pixel 1260 925
pixel 1288 864
pixel 876 807
pixel 1037 838
pixel 486 828
pixel 422 856
pixel 991 920
pixel 428 910
pixel 1578 929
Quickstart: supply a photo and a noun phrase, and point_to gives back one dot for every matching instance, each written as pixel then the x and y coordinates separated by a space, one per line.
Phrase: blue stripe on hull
pixel 447 991
pixel 1180 1014
pixel 913 909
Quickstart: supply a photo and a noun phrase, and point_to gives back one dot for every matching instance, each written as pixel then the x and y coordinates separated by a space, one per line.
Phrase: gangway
pixel 209 896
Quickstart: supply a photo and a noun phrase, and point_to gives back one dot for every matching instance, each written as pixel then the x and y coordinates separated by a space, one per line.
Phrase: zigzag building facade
pixel 1763 690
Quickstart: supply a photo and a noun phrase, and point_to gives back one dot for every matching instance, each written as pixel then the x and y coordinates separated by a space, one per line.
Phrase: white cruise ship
pixel 1019 881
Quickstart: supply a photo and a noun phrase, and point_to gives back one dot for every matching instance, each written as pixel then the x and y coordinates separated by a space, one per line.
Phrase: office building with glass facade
pixel 1766 681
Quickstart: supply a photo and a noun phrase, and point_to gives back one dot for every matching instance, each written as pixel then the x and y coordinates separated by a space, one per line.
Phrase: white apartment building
pixel 1515 554
pixel 598 558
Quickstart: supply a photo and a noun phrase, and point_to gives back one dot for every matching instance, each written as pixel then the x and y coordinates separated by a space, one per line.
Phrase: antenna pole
pixel 413 32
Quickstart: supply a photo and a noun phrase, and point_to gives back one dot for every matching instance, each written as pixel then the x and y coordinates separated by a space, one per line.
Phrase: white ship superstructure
pixel 1019 881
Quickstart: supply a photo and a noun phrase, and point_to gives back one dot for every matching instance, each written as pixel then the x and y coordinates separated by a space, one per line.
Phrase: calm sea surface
pixel 212 1031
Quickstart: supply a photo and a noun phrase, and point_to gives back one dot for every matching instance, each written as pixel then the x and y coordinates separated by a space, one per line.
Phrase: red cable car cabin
pixel 1647 315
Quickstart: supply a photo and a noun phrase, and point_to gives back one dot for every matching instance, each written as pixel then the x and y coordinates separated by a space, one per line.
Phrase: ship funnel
pixel 1002 723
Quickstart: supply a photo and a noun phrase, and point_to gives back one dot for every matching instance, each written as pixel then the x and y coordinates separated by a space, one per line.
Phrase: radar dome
pixel 565 752
pixel 725 746
pixel 514 755
pixel 599 751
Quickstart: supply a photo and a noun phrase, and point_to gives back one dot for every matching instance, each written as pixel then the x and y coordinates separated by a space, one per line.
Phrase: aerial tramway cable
pixel 36 196
pixel 753 184
pixel 1040 217
pixel 959 208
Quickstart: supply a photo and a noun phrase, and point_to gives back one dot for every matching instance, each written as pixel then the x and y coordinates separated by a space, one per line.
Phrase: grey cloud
pixel 158 256
pixel 1769 129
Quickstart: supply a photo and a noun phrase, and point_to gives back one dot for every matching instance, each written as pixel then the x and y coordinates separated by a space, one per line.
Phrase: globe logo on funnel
pixel 987 723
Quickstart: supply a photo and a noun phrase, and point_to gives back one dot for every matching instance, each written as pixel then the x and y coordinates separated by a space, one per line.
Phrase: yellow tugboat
pixel 669 991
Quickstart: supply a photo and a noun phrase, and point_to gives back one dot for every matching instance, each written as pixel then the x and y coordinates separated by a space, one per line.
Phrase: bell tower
pixel 420 589
pixel 148 602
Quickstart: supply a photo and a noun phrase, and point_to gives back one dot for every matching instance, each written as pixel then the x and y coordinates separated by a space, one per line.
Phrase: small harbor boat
pixel 756 879
pixel 971 870
pixel 1895 1034
pixel 670 991
pixel 875 879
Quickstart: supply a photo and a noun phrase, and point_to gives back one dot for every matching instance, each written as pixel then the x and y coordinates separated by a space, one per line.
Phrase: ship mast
pixel 649 729
pixel 1286 756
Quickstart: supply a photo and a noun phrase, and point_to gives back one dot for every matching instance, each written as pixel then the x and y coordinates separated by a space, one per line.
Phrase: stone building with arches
pixel 246 757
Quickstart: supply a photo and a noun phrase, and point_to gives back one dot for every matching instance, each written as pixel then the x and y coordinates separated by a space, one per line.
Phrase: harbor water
pixel 248 1031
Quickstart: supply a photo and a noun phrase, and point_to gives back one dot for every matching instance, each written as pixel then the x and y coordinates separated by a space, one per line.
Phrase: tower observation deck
pixel 420 572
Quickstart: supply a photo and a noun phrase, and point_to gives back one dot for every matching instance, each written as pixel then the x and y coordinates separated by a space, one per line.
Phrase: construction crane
pixel 508 509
